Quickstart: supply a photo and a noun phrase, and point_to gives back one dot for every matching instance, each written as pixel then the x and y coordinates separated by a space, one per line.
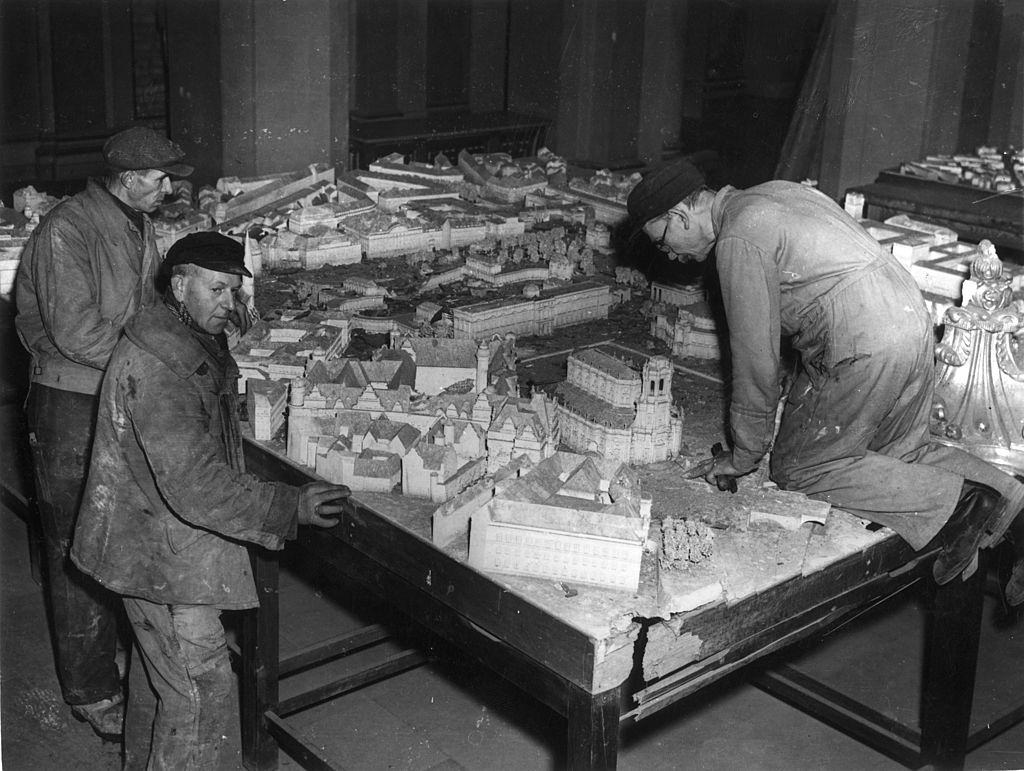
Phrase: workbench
pixel 422 138
pixel 602 673
pixel 974 214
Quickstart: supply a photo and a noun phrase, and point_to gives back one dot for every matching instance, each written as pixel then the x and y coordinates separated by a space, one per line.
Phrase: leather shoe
pixel 977 512
pixel 1014 591
pixel 106 717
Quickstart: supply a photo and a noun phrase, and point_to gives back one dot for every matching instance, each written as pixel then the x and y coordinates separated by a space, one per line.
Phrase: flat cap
pixel 210 250
pixel 661 189
pixel 140 147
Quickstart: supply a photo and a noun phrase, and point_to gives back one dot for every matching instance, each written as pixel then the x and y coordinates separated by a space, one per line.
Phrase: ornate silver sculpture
pixel 979 385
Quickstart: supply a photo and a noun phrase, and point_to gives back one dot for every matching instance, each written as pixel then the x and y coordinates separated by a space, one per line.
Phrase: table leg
pixel 951 661
pixel 593 729
pixel 260 659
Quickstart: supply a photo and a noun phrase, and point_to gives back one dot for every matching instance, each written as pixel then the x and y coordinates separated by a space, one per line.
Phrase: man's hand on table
pixel 320 503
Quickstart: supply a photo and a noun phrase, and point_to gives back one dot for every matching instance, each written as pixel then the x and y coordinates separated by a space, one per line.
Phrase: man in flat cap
pixel 168 506
pixel 854 429
pixel 87 268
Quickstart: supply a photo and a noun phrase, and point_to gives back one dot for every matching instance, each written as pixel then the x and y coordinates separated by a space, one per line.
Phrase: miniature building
pixel 608 406
pixel 501 178
pixel 606 191
pixel 237 198
pixel 265 403
pixel 690 330
pixel 170 225
pixel 280 350
pixel 676 294
pixel 460 436
pixel 441 363
pixel 286 249
pixel 555 308
pixel 439 172
pixel 570 518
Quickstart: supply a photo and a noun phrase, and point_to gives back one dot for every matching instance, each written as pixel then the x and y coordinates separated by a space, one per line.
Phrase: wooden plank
pixel 298 748
pixel 396 664
pixel 332 648
pixel 866 725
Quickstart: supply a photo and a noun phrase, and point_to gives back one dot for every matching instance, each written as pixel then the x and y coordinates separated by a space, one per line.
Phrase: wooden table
pixel 973 213
pixel 597 679
pixel 422 138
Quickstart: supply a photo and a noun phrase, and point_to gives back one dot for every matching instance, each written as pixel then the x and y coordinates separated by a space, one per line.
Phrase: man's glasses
pixel 659 243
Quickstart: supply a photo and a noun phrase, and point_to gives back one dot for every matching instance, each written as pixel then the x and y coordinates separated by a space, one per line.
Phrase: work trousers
pixel 855 432
pixel 83 614
pixel 179 704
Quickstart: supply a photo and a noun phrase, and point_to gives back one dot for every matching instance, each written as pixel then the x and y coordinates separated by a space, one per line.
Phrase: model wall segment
pixel 543 524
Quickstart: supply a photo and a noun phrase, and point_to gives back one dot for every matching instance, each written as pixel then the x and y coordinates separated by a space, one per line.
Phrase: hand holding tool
pixel 723 481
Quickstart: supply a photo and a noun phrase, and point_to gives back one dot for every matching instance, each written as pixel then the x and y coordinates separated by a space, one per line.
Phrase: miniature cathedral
pixel 608 406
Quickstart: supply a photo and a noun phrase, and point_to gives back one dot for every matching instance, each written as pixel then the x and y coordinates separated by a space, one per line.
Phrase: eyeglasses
pixel 659 243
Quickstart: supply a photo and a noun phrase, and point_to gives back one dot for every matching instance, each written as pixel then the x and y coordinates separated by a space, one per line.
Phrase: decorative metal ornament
pixel 979 383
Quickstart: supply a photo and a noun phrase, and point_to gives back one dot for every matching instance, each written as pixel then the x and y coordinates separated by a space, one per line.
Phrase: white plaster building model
pixel 606 191
pixel 501 178
pixel 391 192
pixel 441 363
pixel 14 234
pixel 690 330
pixel 265 402
pixel 280 350
pixel 676 294
pixel 235 198
pixel 440 171
pixel 553 308
pixel 460 436
pixel 382 234
pixel 610 406
pixel 571 518
pixel 170 224
pixel 286 249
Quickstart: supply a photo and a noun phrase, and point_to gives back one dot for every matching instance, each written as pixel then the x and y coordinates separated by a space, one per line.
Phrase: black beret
pixel 140 147
pixel 210 250
pixel 661 189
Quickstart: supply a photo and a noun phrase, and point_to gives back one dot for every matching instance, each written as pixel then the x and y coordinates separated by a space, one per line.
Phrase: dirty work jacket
pixel 84 272
pixel 782 249
pixel 165 510
pixel 855 428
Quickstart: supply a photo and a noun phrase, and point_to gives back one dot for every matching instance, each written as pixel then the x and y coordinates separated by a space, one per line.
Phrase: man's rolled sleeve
pixel 750 293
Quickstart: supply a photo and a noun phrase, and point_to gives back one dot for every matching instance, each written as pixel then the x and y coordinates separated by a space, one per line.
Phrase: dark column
pixel 284 76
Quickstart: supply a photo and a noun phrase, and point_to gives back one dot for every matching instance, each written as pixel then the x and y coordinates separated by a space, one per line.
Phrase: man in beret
pixel 168 507
pixel 854 430
pixel 87 268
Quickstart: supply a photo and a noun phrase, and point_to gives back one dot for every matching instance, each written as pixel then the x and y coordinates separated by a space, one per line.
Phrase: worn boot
pixel 977 512
pixel 106 716
pixel 1014 590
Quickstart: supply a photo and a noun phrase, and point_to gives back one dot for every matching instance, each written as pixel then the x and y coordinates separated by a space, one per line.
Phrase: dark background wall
pixel 257 86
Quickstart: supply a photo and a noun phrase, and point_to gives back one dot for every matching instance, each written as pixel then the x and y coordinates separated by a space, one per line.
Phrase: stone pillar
pixel 284 84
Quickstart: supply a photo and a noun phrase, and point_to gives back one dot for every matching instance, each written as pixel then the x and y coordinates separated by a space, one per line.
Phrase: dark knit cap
pixel 661 189
pixel 140 147
pixel 213 251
